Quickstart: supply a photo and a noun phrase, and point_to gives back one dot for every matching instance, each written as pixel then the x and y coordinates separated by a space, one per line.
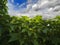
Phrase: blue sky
pixel 17 3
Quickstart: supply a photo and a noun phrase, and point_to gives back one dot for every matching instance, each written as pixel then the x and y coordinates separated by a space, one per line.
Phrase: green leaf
pixel 36 42
pixel 14 37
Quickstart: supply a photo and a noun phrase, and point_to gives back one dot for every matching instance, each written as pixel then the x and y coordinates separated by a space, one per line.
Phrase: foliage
pixel 3 7
pixel 29 31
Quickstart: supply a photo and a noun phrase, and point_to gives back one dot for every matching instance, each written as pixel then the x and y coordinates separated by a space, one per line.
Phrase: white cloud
pixel 47 8
pixel 12 1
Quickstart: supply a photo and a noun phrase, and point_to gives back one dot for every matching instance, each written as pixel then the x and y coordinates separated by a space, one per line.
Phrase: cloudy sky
pixel 46 8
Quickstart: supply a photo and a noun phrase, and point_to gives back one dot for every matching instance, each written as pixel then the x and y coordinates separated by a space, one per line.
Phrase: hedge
pixel 29 31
